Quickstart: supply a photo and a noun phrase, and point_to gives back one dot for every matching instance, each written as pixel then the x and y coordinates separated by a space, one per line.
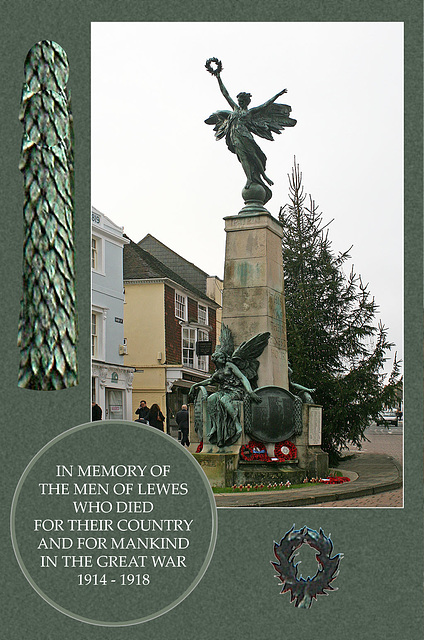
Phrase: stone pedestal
pixel 309 453
pixel 224 467
pixel 218 467
pixel 253 294
pixel 265 473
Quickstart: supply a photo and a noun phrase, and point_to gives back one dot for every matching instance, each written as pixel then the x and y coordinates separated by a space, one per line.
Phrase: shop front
pixel 112 390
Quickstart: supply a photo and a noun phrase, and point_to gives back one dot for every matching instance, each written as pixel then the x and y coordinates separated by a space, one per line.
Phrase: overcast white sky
pixel 157 168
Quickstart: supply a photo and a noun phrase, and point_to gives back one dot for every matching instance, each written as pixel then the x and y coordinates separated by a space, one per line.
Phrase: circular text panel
pixel 113 523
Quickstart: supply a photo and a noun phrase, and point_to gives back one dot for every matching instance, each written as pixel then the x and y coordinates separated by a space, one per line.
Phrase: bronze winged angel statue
pixel 238 125
pixel 237 376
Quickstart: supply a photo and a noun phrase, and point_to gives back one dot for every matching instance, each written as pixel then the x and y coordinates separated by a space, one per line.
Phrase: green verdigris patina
pixel 237 376
pixel 47 333
pixel 237 127
pixel 277 418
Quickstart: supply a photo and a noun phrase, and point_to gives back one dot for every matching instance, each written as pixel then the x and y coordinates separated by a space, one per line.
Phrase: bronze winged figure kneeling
pixel 237 376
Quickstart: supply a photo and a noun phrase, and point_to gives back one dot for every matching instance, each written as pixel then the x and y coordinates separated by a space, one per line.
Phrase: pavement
pixel 375 474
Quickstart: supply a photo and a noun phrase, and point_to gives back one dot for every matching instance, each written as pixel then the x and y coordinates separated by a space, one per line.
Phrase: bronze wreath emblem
pixel 302 591
pixel 214 71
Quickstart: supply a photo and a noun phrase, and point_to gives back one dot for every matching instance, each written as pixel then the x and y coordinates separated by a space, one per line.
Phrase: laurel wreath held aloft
pixel 303 591
pixel 215 71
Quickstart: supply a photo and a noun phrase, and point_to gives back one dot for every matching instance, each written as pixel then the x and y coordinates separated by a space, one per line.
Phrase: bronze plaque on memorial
pixel 273 419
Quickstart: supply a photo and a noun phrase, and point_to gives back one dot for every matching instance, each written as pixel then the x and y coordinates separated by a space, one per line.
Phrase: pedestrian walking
pixel 156 418
pixel 96 412
pixel 182 422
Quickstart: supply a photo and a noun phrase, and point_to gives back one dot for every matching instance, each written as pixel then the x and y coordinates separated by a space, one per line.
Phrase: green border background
pixel 380 581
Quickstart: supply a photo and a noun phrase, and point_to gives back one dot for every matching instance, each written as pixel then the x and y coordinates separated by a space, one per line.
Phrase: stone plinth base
pixel 310 455
pixel 212 448
pixel 264 473
pixel 218 467
pixel 223 466
pixel 226 469
pixel 314 460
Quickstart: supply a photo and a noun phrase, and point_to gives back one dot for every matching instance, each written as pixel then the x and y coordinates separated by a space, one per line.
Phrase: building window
pixel 202 361
pixel 202 314
pixel 94 334
pixel 180 306
pixel 190 359
pixel 97 254
pixel 189 347
pixel 94 253
pixel 98 332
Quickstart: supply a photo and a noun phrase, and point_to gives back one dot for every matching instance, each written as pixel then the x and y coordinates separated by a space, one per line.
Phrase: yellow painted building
pixel 144 323
pixel 165 316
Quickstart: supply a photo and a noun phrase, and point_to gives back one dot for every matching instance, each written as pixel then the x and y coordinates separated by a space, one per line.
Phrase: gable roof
pixel 187 270
pixel 142 265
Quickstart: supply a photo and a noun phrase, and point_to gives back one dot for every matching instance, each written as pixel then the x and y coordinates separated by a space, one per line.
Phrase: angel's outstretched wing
pixel 220 120
pixel 244 357
pixel 266 120
pixel 226 340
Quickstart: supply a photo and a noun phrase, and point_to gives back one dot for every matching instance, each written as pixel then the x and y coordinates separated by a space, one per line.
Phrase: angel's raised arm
pixel 225 93
pixel 268 102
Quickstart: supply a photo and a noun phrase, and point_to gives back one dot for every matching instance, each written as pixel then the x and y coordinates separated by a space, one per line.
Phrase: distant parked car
pixel 388 419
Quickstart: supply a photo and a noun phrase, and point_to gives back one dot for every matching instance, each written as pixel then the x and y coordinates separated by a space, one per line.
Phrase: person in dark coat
pixel 182 422
pixel 96 412
pixel 156 418
pixel 142 411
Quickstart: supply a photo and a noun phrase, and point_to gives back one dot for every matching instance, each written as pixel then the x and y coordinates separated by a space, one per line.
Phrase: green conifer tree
pixel 335 344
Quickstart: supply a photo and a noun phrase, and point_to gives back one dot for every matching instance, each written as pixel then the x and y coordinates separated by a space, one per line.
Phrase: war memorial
pixel 249 422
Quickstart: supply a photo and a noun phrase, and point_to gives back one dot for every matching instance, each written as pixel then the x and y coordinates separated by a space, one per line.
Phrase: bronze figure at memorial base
pixel 236 375
pixel 238 125
pixel 304 393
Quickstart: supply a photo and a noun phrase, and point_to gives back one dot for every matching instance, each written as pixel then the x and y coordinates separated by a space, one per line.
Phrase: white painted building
pixel 111 379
